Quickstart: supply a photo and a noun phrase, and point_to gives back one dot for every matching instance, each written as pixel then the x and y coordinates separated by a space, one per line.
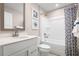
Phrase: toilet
pixel 44 49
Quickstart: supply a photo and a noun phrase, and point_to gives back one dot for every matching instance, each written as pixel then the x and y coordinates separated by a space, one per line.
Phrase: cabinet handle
pixel 27 53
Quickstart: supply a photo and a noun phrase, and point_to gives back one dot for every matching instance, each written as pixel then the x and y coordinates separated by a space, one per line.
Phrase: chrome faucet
pixel 16 32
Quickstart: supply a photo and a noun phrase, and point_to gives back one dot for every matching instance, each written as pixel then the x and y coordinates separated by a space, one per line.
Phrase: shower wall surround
pixel 53 25
pixel 71 41
pixel 57 25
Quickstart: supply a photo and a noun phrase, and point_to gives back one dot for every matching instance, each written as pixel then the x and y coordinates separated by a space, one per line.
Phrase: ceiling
pixel 52 6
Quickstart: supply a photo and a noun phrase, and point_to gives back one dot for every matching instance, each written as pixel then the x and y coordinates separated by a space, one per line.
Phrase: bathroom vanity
pixel 19 46
pixel 11 16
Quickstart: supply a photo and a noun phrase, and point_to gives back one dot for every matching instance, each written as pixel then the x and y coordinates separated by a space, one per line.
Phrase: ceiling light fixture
pixel 57 5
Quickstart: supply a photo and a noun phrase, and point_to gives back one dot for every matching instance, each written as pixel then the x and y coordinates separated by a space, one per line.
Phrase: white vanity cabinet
pixel 20 53
pixel 26 47
pixel 33 51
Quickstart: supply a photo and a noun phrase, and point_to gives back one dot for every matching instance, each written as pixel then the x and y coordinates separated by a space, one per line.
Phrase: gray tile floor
pixel 46 54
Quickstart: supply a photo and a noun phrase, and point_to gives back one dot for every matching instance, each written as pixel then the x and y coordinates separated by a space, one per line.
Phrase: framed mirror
pixel 14 16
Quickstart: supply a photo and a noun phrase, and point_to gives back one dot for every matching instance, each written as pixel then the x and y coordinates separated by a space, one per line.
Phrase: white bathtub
pixel 57 47
pixel 54 41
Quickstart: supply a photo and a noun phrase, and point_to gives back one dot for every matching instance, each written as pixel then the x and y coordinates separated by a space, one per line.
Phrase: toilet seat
pixel 44 49
pixel 45 46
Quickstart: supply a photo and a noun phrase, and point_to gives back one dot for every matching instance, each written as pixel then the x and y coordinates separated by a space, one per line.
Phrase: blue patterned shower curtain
pixel 71 41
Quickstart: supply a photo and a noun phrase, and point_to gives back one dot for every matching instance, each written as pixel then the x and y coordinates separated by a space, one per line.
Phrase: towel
pixel 75 30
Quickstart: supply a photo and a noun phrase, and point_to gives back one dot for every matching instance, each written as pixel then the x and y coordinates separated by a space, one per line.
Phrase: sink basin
pixel 23 36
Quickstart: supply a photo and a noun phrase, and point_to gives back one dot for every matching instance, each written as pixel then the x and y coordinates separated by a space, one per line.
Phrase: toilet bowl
pixel 44 49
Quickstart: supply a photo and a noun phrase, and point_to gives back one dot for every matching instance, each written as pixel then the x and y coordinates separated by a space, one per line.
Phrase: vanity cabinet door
pixel 18 46
pixel 1 51
pixel 33 50
pixel 20 53
pixel 13 48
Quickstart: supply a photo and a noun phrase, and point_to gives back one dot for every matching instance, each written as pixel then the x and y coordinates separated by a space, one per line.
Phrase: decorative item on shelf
pixel 35 19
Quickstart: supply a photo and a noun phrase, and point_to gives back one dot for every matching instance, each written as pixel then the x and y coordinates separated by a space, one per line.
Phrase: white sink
pixel 23 36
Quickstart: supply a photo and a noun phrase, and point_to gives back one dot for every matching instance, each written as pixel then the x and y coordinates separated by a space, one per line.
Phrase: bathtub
pixel 57 47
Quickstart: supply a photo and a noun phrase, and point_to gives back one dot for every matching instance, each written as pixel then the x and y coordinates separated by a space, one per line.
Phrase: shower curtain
pixel 71 41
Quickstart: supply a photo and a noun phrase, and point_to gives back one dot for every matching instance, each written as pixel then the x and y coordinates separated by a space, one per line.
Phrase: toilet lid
pixel 44 46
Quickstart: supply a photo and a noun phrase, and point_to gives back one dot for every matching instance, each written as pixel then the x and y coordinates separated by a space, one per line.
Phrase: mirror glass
pixel 13 15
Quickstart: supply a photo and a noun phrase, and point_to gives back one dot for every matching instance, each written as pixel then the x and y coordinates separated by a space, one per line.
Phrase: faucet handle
pixel 45 35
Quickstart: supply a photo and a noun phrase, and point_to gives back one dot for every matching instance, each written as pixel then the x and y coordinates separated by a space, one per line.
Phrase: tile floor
pixel 47 54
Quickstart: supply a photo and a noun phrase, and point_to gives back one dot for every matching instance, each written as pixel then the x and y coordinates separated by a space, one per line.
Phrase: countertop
pixel 9 40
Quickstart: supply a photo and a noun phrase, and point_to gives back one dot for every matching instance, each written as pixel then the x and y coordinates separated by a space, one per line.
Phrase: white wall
pixel 28 19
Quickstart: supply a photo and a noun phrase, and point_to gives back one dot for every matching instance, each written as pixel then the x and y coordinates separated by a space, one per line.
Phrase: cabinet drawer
pixel 12 48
